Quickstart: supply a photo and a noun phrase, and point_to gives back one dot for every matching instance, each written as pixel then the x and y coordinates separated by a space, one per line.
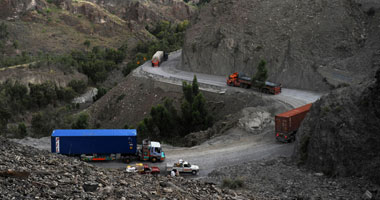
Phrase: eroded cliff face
pixel 341 136
pixel 12 8
pixel 63 25
pixel 151 11
pixel 307 44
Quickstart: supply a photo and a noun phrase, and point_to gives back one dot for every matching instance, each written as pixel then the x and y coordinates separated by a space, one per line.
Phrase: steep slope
pixel 307 44
pixel 63 25
pixel 341 134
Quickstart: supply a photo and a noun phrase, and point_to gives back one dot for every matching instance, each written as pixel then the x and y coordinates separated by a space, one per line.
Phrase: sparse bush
pixel 101 92
pixel 325 110
pixel 21 129
pixel 371 12
pixel 41 125
pixel 232 183
pixel 305 139
pixel 81 122
pixel 119 98
pixel 79 86
pixel 129 68
pixel 87 43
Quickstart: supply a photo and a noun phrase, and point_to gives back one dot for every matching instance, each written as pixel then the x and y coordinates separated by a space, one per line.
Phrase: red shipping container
pixel 287 123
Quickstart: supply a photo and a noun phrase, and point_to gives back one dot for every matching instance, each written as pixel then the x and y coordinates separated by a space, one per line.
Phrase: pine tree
pixel 195 86
pixel 261 75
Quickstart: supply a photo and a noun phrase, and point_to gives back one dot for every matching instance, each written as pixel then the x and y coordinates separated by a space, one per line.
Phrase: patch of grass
pixel 121 97
pixel 303 149
pixel 233 183
pixel 325 110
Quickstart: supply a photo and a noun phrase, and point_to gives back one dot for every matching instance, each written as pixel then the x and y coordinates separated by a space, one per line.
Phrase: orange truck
pixel 287 123
pixel 240 80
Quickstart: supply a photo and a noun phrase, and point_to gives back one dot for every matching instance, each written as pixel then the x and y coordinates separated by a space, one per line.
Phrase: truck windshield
pixel 157 149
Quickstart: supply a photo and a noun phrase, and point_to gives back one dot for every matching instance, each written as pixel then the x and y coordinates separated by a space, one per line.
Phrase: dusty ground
pixel 281 179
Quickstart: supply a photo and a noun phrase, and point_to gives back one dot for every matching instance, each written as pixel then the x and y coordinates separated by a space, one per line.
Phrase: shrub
pixel 119 98
pixel 78 86
pixel 101 92
pixel 41 125
pixel 303 149
pixel 129 68
pixel 21 130
pixel 81 122
pixel 66 94
pixel 233 183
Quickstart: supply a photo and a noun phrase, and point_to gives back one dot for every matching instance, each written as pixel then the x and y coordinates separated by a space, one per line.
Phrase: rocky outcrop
pixel 63 25
pixel 11 9
pixel 340 136
pixel 27 75
pixel 307 44
pixel 148 12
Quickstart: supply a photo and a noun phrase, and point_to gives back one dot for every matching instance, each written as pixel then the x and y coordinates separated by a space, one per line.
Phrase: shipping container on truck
pixel 103 144
pixel 287 123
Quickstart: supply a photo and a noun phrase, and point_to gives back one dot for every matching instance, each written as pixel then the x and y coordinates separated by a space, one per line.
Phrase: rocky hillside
pixel 340 136
pixel 28 173
pixel 63 25
pixel 307 44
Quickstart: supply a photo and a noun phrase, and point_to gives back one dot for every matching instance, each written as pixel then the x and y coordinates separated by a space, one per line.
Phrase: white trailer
pixel 157 58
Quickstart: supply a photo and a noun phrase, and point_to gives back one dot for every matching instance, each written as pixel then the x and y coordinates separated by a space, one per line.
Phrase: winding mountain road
pixel 234 147
pixel 168 72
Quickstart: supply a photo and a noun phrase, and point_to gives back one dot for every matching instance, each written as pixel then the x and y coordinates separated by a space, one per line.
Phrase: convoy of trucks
pixel 158 58
pixel 287 123
pixel 239 80
pixel 104 144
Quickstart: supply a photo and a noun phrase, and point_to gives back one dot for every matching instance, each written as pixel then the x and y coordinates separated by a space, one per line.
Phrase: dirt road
pixel 167 72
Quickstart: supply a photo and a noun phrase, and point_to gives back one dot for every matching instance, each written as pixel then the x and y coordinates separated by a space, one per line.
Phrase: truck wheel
pixel 194 172
pixel 154 159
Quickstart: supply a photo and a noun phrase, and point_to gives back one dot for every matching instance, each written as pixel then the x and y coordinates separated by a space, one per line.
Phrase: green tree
pixel 261 75
pixel 195 86
pixel 79 86
pixel 3 31
pixel 66 94
pixel 101 92
pixel 41 124
pixel 21 129
pixel 5 116
pixel 194 113
pixel 81 122
pixel 87 43
pixel 187 90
